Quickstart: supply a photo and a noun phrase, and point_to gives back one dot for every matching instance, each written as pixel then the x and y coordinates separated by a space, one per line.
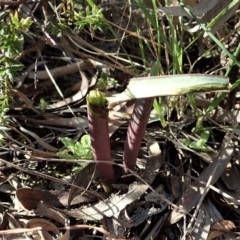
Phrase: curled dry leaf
pixel 40 225
pixel 210 9
pixel 76 97
pixel 110 206
pixel 212 13
pixel 43 224
pixel 45 211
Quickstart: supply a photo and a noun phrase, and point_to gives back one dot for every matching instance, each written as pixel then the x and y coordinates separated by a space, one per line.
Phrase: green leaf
pixel 200 144
pixel 170 85
pixel 205 136
pixel 196 146
pixel 78 169
pixel 3 14
pixel 26 22
pixel 66 155
pixel 185 141
pixel 86 141
pixel 79 150
pixel 15 20
pixel 68 142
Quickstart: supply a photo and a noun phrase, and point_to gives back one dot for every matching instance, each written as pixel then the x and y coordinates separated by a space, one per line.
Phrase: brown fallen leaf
pixel 12 223
pixel 29 198
pixel 110 206
pixel 64 70
pixel 31 90
pixel 3 221
pixel 219 228
pixel 26 100
pixel 77 122
pixel 44 211
pixel 39 155
pixel 234 194
pixel 83 180
pixel 176 186
pixel 195 191
pixel 223 116
pixel 141 214
pixel 42 223
pixel 231 177
pixel 10 232
pixel 153 162
pixel 202 225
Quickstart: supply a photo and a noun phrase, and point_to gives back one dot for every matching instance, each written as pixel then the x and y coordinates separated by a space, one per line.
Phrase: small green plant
pixel 79 150
pixel 200 144
pixel 57 29
pixel 42 105
pixel 11 41
pixel 90 17
pixel 21 24
pixel 106 82
pixel 4 119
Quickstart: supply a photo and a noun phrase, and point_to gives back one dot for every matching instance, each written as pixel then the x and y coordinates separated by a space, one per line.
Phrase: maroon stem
pixel 98 129
pixel 135 132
